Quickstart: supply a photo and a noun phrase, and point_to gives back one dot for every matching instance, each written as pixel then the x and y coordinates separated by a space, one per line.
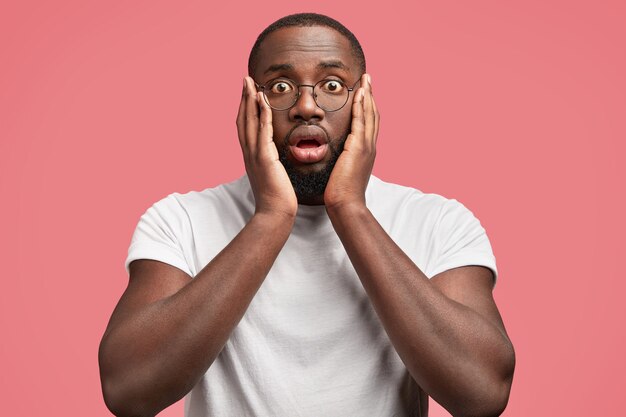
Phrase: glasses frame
pixel 350 89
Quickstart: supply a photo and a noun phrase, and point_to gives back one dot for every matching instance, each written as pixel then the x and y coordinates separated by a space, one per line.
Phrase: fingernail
pixel 369 79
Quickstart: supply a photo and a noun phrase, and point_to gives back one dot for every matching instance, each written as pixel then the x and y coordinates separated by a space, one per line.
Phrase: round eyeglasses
pixel 329 94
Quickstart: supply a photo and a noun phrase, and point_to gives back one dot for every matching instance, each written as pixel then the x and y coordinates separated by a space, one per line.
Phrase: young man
pixel 308 287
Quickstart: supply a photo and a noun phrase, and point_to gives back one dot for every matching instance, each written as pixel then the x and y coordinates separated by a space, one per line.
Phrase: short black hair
pixel 306 20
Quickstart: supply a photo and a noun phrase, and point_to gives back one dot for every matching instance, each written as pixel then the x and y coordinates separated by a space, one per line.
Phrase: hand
pixel 351 173
pixel 273 192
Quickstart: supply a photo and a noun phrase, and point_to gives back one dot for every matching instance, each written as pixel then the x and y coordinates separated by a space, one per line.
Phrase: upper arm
pixel 472 287
pixel 149 282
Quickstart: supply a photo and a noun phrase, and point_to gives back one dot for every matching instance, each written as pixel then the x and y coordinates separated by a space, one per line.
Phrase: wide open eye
pixel 332 87
pixel 281 87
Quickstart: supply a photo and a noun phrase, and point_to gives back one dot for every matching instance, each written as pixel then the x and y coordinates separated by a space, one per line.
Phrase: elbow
pixel 492 405
pixel 496 398
pixel 489 404
pixel 119 403
pixel 493 396
pixel 117 394
pixel 502 388
pixel 128 384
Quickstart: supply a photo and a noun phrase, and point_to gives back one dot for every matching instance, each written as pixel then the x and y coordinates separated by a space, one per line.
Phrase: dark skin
pixel 170 328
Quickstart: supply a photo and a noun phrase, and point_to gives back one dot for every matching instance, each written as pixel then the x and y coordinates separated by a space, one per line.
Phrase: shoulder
pixel 224 197
pixel 446 215
pixel 386 197
pixel 178 215
pixel 446 227
pixel 166 231
pixel 228 192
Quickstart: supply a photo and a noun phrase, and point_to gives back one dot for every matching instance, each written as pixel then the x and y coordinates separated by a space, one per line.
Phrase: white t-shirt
pixel 310 343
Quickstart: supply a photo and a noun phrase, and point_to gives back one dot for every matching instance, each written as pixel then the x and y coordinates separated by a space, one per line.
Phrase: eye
pixel 281 87
pixel 332 86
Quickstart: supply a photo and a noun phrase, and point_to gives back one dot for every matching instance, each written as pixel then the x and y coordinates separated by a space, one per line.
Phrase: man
pixel 308 287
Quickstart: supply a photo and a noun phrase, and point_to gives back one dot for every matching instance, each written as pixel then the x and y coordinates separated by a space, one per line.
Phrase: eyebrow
pixel 322 65
pixel 278 67
pixel 333 64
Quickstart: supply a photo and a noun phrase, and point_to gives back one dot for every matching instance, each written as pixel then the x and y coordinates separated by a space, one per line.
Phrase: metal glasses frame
pixel 350 89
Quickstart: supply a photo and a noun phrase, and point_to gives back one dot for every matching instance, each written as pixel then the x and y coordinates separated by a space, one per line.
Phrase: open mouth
pixel 309 152
pixel 308 144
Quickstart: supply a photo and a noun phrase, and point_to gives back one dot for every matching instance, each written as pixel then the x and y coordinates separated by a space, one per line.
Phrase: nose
pixel 306 108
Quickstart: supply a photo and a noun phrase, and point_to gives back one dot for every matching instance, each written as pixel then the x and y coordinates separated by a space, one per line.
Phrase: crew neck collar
pixel 304 210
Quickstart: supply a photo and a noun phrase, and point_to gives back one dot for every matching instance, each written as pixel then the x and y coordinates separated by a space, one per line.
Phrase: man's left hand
pixel 352 171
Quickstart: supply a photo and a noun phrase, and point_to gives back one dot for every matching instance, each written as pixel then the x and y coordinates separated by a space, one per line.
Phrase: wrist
pixel 351 208
pixel 274 218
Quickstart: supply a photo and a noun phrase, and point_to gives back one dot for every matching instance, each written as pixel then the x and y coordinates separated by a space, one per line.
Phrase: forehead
pixel 304 49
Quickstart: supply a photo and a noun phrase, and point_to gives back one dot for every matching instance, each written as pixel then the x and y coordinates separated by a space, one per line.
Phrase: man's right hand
pixel 273 192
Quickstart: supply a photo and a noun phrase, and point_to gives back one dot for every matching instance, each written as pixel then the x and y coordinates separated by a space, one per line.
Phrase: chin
pixel 307 169
pixel 309 181
pixel 309 184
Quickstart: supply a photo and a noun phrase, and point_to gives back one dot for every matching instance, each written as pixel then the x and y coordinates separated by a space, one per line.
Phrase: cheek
pixel 280 126
pixel 340 123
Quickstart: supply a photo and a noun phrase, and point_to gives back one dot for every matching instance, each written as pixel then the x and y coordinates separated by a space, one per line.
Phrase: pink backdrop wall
pixel 516 110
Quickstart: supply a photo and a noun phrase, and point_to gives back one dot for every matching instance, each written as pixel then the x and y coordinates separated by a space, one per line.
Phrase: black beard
pixel 310 185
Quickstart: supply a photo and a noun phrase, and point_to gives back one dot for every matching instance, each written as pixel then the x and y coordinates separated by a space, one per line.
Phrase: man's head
pixel 305 49
pixel 306 20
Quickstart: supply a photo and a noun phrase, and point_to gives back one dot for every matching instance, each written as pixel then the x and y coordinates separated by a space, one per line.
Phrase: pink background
pixel 518 111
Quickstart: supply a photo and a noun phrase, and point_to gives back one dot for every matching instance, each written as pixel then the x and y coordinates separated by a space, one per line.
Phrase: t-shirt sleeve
pixel 159 235
pixel 461 240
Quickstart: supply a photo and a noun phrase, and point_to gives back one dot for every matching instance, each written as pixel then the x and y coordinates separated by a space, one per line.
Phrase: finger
pixel 357 127
pixel 370 123
pixel 376 120
pixel 252 115
pixel 265 141
pixel 241 118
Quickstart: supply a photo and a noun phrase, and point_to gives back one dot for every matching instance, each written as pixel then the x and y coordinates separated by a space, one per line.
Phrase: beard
pixel 309 185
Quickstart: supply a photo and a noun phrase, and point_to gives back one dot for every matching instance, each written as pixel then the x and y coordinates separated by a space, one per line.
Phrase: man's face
pixel 309 139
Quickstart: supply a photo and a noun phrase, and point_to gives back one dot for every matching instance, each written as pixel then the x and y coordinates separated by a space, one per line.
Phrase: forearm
pixel 456 355
pixel 154 356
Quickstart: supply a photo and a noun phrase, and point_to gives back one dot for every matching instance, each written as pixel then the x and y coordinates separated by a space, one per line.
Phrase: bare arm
pixel 167 329
pixel 447 330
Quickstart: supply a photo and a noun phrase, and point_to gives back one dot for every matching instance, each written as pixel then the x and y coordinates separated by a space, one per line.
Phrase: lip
pixel 315 133
pixel 308 154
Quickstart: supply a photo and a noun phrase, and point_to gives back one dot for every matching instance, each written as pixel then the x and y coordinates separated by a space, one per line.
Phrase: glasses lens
pixel 331 95
pixel 281 94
